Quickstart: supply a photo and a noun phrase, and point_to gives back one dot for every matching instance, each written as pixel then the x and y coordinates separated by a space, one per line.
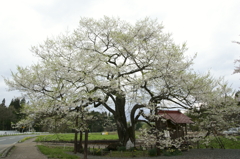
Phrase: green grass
pixel 26 138
pixel 114 154
pixel 70 137
pixel 228 143
pixel 57 152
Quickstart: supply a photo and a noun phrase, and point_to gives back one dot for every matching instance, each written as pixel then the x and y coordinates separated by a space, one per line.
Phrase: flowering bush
pixel 156 137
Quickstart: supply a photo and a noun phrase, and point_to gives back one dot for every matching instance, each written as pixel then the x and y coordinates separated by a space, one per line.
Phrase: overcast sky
pixel 208 27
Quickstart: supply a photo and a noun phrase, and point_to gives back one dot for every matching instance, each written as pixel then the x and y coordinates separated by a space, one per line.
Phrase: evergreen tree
pixel 237 97
pixel 16 107
pixel 7 116
pixel 3 103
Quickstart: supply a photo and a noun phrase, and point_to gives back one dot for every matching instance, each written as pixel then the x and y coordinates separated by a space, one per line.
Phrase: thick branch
pixel 134 109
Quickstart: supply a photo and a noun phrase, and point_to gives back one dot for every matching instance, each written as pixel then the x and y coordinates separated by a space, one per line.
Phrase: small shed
pixel 176 123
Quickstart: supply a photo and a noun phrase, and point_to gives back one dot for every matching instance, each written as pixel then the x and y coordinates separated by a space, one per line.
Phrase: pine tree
pixel 3 103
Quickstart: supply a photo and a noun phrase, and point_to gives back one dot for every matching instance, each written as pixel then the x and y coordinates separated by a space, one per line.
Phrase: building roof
pixel 175 116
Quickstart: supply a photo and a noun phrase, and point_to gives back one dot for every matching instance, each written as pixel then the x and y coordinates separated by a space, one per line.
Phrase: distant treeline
pixel 10 114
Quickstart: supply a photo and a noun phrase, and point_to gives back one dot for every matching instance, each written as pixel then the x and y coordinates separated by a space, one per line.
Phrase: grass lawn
pixel 228 143
pixel 57 152
pixel 70 137
pixel 127 154
pixel 60 152
pixel 26 138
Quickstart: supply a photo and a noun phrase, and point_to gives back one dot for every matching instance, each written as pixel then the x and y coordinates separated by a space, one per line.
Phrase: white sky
pixel 208 27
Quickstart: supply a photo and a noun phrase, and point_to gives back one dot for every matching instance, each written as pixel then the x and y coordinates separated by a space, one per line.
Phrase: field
pixel 62 152
pixel 70 137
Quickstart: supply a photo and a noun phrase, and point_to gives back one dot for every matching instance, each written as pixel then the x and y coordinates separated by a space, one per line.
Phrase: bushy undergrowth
pixel 121 148
pixel 97 152
pixel 171 152
pixel 152 152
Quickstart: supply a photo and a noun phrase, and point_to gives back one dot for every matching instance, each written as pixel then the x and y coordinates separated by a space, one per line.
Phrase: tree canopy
pixel 116 65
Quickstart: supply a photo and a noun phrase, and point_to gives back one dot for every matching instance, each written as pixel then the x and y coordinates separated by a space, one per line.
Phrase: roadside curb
pixel 6 151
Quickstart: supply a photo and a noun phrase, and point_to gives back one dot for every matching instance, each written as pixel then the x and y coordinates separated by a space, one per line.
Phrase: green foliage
pixel 134 149
pixel 3 102
pixel 122 154
pixel 152 152
pixel 26 138
pixel 10 114
pixel 97 152
pixel 139 125
pixel 7 116
pixel 171 152
pixel 56 152
pixel 96 125
pixel 102 122
pixel 121 148
pixel 229 143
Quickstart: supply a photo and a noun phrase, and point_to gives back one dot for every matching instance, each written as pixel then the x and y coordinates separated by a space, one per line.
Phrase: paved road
pixel 7 141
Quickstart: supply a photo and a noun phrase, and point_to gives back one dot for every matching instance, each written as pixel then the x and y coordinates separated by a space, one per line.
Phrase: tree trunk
pixel 157 124
pixel 86 144
pixel 124 132
pixel 121 121
pixel 80 142
pixel 75 137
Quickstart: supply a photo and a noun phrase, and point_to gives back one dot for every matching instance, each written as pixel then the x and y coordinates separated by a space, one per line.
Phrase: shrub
pixel 97 152
pixel 113 146
pixel 121 148
pixel 172 152
pixel 106 149
pixel 152 152
pixel 132 149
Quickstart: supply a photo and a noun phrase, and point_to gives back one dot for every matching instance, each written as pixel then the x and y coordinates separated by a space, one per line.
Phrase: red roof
pixel 176 116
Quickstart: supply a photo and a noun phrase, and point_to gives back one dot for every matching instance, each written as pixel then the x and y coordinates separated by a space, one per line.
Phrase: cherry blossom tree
pixel 50 95
pixel 110 63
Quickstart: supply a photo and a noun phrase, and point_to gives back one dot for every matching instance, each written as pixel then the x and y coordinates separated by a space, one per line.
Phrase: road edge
pixel 7 150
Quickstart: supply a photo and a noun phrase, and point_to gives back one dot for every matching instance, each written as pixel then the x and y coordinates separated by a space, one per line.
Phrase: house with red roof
pixel 175 123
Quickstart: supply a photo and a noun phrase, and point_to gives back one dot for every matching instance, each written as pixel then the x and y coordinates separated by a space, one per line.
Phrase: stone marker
pixel 129 144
